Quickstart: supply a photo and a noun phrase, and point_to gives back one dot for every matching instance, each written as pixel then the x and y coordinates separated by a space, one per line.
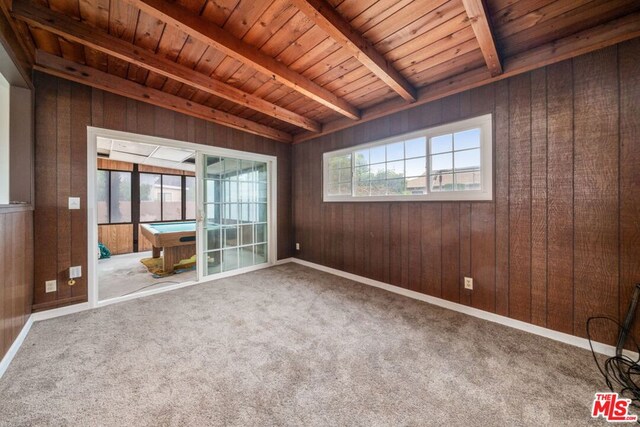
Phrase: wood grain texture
pixel 552 248
pixel 539 197
pixel 481 24
pixel 595 178
pixel 16 270
pixel 560 307
pixel 629 54
pixel 92 107
pixel 520 197
pixel 118 238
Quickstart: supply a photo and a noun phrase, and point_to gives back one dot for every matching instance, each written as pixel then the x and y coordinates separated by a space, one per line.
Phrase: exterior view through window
pixel 449 162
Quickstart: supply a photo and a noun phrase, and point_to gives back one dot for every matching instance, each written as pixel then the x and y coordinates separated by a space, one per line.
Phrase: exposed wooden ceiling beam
pixel 66 69
pixel 72 30
pixel 586 41
pixel 340 30
pixel 477 13
pixel 209 33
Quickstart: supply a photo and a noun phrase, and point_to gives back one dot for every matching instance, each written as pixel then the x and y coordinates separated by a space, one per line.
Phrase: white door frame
pixel 92 216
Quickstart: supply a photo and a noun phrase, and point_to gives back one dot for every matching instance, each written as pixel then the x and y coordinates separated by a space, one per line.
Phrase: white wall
pixel 4 141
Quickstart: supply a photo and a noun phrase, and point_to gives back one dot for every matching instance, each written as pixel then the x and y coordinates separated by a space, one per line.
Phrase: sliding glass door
pixel 234 223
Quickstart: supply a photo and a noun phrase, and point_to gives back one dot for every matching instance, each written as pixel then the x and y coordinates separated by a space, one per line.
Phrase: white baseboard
pixel 601 348
pixel 6 360
pixel 62 311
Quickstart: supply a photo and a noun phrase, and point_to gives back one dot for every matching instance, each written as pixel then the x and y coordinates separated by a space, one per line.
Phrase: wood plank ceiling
pixel 291 69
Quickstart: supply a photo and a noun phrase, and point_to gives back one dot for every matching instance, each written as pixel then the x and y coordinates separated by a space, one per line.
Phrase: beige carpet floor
pixel 291 346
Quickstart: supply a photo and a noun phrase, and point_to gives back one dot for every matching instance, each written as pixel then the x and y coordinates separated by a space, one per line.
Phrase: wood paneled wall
pixel 559 243
pixel 16 272
pixel 63 112
pixel 118 238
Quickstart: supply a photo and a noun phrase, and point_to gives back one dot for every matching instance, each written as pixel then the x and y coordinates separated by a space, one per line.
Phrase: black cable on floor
pixel 620 372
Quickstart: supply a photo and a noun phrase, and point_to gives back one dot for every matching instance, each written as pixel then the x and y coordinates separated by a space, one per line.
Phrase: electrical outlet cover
pixel 50 286
pixel 468 283
pixel 75 272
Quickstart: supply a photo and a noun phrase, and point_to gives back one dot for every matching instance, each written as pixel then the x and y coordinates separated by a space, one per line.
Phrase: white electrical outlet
pixel 74 202
pixel 50 286
pixel 297 246
pixel 468 283
pixel 75 272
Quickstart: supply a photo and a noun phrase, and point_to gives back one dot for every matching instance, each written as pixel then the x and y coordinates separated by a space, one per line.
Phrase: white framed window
pixel 447 162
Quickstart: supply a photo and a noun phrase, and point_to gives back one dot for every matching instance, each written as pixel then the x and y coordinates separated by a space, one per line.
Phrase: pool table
pixel 177 240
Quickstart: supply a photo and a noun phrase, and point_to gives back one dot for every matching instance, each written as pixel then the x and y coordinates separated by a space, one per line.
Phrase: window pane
pixel 395 186
pixel 395 151
pixel 120 197
pixel 345 189
pixel 416 167
pixel 345 175
pixel 245 190
pixel 260 253
pixel 395 169
pixel 416 147
pixel 362 188
pixel 261 169
pixel 441 144
pixel 416 185
pixel 441 162
pixel 214 166
pixel 213 238
pixel 229 213
pixel 246 256
pixel 362 174
pixel 230 191
pixel 102 196
pixel 441 182
pixel 378 188
pixel 150 190
pixel 339 162
pixel 213 214
pixel 467 159
pixel 262 212
pixel 261 233
pixel 247 170
pixel 214 261
pixel 467 139
pixel 362 157
pixel 230 237
pixel 334 188
pixel 467 181
pixel 377 154
pixel 230 259
pixel 378 171
pixel 171 197
pixel 246 234
pixel 190 195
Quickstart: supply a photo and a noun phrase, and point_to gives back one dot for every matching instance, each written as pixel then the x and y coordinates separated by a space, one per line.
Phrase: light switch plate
pixel 50 286
pixel 74 202
pixel 75 272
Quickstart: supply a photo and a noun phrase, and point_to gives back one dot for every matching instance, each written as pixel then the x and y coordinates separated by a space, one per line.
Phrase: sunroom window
pixel 448 162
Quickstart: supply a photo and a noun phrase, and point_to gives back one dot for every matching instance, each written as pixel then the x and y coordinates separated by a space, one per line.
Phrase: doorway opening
pixel 164 214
